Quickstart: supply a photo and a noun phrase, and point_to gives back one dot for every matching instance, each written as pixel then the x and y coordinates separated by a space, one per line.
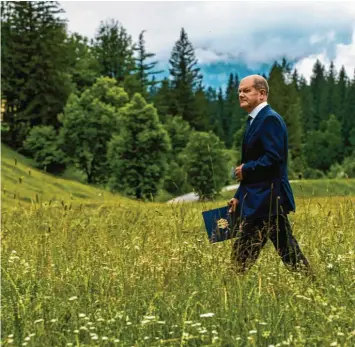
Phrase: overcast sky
pixel 248 32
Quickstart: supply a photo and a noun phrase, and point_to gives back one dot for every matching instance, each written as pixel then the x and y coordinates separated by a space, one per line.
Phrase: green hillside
pixel 20 181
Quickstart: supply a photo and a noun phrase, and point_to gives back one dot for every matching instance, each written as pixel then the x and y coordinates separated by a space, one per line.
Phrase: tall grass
pixel 145 275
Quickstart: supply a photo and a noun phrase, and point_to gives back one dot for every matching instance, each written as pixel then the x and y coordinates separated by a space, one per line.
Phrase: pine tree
pixel 203 110
pixel 143 68
pixel 296 80
pixel 293 117
pixel 340 99
pixel 163 100
pixel 232 121
pixel 220 115
pixel 349 119
pixel 214 122
pixel 153 89
pixel 328 106
pixel 35 80
pixel 186 79
pixel 318 91
pixel 284 100
pixel 114 50
pixel 278 89
pixel 236 82
pixel 306 97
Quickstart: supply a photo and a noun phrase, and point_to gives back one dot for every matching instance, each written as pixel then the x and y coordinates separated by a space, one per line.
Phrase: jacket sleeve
pixel 272 138
pixel 237 194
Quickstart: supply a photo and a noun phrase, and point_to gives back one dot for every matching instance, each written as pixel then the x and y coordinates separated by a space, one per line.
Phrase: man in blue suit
pixel 264 197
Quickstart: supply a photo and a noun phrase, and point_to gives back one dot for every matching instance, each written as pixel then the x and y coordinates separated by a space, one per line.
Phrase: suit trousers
pixel 253 235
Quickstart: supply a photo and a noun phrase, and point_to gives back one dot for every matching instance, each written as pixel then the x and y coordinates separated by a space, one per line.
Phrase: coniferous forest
pixel 100 107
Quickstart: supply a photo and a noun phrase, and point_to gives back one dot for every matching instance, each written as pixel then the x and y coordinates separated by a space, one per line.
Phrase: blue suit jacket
pixel 265 189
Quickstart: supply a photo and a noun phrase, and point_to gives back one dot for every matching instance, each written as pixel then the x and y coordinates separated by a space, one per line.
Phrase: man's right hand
pixel 233 203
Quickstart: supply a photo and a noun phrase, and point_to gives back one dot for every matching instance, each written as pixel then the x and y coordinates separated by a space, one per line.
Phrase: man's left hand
pixel 239 172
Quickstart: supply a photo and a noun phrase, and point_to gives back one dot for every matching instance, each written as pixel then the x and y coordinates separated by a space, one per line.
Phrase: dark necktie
pixel 248 123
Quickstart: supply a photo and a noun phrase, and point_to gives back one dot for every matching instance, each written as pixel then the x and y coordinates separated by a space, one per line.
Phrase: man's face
pixel 249 97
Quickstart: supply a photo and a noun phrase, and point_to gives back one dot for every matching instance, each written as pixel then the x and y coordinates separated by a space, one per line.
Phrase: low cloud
pixel 344 56
pixel 251 33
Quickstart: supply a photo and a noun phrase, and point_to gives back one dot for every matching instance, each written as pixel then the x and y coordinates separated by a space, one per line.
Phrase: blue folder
pixel 220 224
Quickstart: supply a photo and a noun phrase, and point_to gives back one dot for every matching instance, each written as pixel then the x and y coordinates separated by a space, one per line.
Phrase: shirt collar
pixel 257 109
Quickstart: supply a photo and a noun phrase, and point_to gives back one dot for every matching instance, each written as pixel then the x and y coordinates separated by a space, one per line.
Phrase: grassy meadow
pixel 101 270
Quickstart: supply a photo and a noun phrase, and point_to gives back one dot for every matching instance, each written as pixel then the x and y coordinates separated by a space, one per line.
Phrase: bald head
pixel 259 82
pixel 253 90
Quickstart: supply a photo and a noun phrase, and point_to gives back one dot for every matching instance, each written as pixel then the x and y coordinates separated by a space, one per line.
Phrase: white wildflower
pixel 207 315
pixel 82 315
pixel 196 325
pixel 39 321
pixel 253 331
pixel 72 298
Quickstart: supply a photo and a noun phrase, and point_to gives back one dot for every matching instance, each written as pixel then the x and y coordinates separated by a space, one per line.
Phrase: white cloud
pixel 328 37
pixel 344 56
pixel 206 56
pixel 252 32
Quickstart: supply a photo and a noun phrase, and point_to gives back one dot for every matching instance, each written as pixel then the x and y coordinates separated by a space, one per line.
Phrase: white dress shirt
pixel 256 110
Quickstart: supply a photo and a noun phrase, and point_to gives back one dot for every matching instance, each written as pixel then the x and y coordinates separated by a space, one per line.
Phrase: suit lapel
pixel 254 125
